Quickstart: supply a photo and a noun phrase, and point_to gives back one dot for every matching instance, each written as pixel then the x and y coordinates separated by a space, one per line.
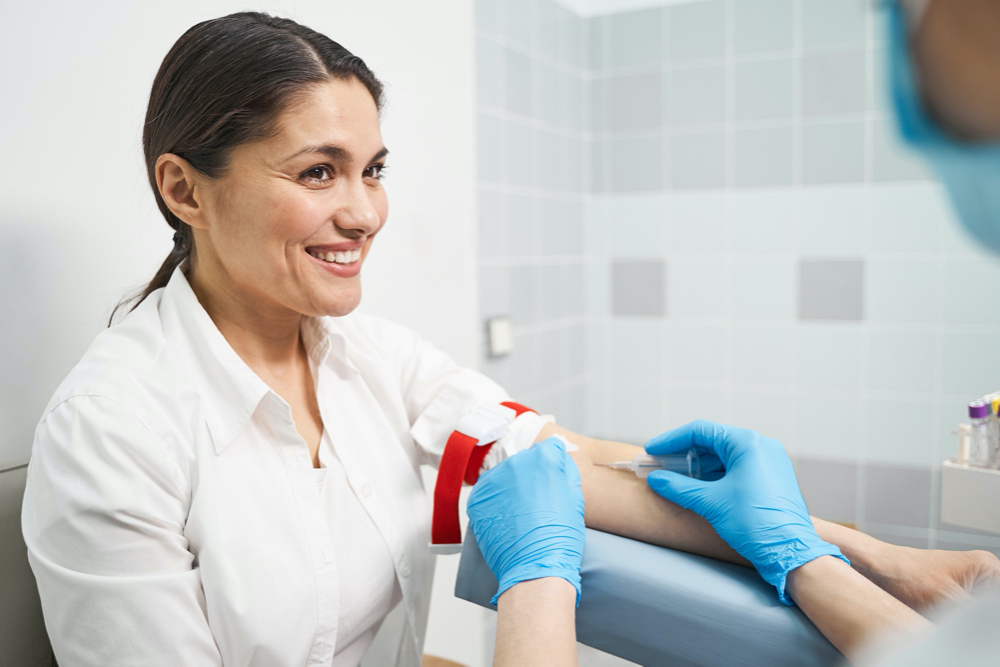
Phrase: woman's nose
pixel 357 211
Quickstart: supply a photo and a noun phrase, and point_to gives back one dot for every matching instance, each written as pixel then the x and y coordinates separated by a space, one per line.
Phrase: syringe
pixel 687 463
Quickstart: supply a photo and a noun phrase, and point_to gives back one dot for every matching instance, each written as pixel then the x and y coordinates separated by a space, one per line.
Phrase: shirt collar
pixel 231 390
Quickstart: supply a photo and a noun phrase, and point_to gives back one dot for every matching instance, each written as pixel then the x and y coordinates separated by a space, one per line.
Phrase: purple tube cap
pixel 978 410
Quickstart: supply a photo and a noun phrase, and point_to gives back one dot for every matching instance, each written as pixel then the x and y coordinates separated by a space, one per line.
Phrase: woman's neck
pixel 266 340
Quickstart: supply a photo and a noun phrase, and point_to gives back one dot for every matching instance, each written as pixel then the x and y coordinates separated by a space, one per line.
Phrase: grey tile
pixel 901 540
pixel 638 287
pixel 634 101
pixel 833 152
pixel 697 30
pixel 763 89
pixel 828 23
pixel 897 496
pixel 833 83
pixel 519 67
pixel 636 164
pixel 697 95
pixel 829 488
pixel 893 161
pixel 635 37
pixel 831 289
pixel 763 156
pixel 698 159
pixel 763 25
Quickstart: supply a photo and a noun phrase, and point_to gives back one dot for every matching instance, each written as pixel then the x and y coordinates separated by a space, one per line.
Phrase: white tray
pixel 970 497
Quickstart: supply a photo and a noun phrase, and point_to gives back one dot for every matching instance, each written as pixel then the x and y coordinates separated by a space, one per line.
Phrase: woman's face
pixel 292 220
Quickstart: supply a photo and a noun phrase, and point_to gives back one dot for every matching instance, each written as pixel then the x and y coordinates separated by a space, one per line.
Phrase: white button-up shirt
pixel 172 514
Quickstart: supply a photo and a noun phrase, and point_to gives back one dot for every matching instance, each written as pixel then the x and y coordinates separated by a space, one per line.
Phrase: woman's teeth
pixel 344 257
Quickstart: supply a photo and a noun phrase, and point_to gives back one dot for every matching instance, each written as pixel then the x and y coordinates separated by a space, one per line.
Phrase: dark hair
pixel 224 83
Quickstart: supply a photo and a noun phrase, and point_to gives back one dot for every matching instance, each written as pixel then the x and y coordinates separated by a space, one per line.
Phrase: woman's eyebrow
pixel 336 153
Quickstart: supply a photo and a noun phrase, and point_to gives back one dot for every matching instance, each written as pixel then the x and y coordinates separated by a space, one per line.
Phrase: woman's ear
pixel 182 189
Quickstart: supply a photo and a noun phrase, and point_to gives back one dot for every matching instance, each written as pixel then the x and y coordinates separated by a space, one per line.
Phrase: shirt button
pixel 404 568
pixel 366 490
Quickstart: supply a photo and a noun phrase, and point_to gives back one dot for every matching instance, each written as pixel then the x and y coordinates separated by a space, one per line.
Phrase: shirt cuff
pixel 521 434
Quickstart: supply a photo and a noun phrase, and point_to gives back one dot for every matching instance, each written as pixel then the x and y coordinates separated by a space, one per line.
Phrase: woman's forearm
pixel 847 608
pixel 619 502
pixel 536 624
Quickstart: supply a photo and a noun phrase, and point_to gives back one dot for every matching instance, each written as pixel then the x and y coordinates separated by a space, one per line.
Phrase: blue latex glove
pixel 527 516
pixel 756 507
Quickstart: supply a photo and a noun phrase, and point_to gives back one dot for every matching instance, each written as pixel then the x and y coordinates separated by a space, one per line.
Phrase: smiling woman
pixel 231 473
pixel 215 133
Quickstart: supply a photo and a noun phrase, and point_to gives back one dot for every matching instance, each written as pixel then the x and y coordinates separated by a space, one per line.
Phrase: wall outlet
pixel 500 335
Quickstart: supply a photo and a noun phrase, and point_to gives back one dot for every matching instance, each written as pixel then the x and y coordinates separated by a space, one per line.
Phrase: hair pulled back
pixel 224 83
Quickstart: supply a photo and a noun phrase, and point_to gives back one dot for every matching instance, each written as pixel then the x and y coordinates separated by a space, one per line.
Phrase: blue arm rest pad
pixel 658 606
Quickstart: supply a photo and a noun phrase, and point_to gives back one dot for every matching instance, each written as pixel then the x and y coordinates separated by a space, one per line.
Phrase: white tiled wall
pixel 532 112
pixel 756 246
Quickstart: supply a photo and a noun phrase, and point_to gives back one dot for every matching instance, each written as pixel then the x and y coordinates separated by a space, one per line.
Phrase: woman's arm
pixel 103 519
pixel 849 610
pixel 536 624
pixel 623 504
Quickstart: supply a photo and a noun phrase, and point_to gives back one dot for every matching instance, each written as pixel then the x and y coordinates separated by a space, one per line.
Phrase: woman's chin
pixel 342 304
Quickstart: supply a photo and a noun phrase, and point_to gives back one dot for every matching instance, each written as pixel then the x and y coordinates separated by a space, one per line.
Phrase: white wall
pixel 79 227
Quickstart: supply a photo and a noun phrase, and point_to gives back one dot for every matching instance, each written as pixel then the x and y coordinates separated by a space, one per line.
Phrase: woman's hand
pixel 527 516
pixel 928 580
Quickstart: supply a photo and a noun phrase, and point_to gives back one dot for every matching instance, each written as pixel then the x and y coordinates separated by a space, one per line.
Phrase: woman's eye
pixel 317 174
pixel 376 171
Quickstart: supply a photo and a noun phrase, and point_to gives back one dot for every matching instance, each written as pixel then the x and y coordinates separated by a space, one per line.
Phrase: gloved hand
pixel 756 507
pixel 527 516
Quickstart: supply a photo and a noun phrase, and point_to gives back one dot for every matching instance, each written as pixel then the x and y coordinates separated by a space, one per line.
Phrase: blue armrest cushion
pixel 657 606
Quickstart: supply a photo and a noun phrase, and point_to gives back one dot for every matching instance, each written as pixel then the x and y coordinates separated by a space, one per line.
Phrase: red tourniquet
pixel 460 462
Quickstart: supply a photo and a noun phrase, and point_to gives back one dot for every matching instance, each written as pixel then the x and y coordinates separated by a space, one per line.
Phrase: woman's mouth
pixel 340 263
pixel 341 257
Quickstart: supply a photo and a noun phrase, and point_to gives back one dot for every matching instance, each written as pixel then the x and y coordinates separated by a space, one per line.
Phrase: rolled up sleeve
pixel 437 392
pixel 103 519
